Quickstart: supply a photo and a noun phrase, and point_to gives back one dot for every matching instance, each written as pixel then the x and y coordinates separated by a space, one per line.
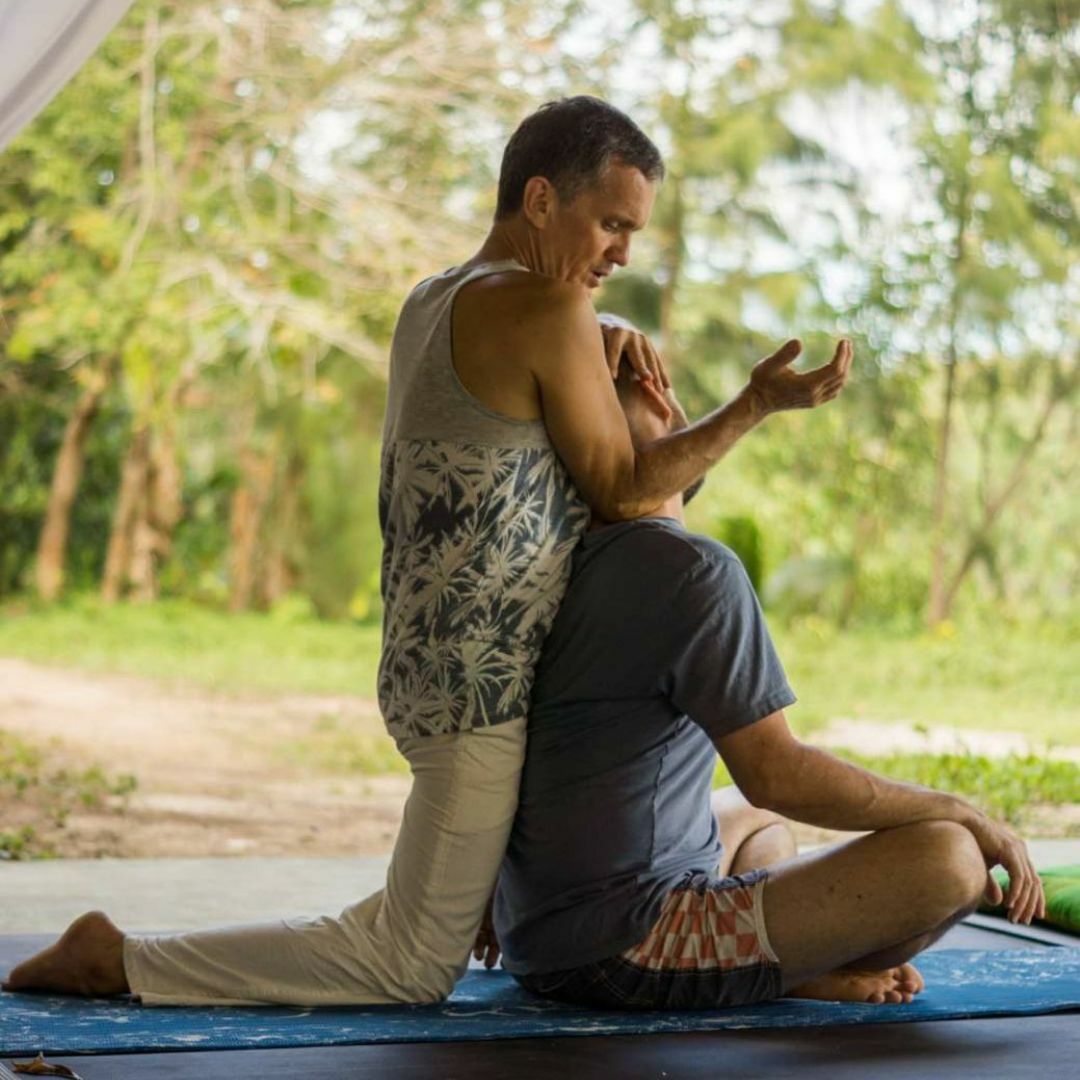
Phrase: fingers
pixel 663 408
pixel 842 357
pixel 825 383
pixel 786 354
pixel 1024 898
pixel 644 360
pixel 614 343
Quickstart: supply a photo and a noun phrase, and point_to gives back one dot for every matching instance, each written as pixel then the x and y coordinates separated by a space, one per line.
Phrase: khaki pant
pixel 410 942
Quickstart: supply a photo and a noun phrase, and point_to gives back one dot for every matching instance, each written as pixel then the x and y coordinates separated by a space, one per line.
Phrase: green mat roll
pixel 1062 887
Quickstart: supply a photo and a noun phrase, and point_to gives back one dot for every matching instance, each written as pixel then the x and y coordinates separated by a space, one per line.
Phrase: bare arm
pixel 776 771
pixel 565 352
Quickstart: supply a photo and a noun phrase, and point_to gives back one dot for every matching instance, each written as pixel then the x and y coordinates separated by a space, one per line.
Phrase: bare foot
pixel 893 986
pixel 88 959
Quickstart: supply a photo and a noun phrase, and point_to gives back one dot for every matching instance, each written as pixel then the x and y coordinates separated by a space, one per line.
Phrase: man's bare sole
pixel 88 960
pixel 893 986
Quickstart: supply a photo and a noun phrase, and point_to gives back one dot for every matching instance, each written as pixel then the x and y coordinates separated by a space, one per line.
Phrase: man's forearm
pixel 824 790
pixel 673 463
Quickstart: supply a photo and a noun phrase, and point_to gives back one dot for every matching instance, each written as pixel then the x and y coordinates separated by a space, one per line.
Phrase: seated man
pixel 628 884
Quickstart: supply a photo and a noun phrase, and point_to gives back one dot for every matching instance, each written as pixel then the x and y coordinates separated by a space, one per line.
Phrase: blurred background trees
pixel 204 241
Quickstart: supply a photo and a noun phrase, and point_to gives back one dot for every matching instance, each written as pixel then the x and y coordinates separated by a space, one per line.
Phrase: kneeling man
pixel 629 884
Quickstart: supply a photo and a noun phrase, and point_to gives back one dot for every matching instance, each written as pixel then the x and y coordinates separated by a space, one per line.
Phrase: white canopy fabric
pixel 42 44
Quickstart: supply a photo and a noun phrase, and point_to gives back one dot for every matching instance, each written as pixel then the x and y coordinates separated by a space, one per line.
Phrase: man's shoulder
pixel 662 550
pixel 520 299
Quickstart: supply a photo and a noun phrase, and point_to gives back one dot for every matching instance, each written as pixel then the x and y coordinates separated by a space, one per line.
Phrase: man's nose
pixel 619 252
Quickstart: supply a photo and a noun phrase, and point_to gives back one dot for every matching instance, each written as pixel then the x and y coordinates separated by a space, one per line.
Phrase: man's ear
pixel 538 201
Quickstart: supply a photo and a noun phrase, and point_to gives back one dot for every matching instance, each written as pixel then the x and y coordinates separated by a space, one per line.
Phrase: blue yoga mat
pixel 490 1005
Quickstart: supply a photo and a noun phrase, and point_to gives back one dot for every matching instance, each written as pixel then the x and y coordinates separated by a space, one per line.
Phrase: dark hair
pixel 571 142
pixel 692 490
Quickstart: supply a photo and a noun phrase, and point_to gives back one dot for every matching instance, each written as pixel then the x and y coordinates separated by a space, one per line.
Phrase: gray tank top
pixel 479 519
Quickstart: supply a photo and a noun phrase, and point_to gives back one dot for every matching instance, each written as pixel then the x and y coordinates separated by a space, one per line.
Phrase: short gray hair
pixel 571 142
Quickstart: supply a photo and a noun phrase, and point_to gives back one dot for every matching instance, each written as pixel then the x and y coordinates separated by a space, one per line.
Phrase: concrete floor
pixel 185 894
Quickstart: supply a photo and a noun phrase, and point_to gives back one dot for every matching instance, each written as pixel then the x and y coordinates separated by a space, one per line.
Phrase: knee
pixel 437 983
pixel 954 864
pixel 779 836
pixel 424 978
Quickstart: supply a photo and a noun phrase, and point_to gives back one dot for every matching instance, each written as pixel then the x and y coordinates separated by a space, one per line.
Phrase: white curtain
pixel 42 44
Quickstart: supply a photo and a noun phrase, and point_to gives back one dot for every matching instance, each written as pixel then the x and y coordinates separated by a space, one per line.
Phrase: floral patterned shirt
pixel 479 519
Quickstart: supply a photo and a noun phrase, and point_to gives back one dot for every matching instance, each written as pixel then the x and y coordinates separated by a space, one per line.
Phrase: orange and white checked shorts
pixel 707 948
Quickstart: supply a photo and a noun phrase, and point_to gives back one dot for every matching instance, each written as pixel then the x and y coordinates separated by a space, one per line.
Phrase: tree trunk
pixel 993 507
pixel 672 261
pixel 279 572
pixel 938 607
pixel 133 482
pixel 938 603
pixel 160 512
pixel 246 514
pixel 52 544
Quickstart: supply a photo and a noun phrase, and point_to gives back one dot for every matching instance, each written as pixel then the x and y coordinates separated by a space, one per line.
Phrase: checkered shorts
pixel 707 948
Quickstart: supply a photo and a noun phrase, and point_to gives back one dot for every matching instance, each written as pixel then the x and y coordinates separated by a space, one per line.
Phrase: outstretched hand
pixel 776 387
pixel 1024 898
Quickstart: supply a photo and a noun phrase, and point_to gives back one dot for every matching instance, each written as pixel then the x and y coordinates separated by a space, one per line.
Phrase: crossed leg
pixel 845 920
pixel 872 903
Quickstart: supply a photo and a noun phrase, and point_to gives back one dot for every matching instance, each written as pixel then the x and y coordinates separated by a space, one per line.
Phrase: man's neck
pixel 508 241
pixel 673 508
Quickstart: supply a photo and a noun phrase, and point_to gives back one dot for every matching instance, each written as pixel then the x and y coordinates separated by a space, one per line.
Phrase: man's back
pixel 657 623
pixel 479 518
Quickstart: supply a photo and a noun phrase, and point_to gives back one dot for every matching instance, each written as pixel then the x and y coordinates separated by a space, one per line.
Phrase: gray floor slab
pixel 181 894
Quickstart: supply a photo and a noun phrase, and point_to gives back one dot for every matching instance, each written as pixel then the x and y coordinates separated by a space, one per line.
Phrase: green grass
pixel 337 745
pixel 995 678
pixel 33 785
pixel 180 642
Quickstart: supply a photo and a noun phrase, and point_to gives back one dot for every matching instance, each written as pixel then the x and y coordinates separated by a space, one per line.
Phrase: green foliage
pixel 341 495
pixel 1002 787
pixel 743 536
pixel 1006 788
pixel 31 426
pixel 232 240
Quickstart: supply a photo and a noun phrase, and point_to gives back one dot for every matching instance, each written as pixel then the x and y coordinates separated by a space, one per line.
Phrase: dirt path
pixel 213 773
pixel 220 776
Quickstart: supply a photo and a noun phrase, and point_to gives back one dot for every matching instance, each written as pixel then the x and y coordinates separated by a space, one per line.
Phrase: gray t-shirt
pixel 659 647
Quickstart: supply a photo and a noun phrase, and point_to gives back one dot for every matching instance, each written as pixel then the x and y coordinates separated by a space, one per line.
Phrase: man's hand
pixel 1024 899
pixel 775 387
pixel 646 362
pixel 487 944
